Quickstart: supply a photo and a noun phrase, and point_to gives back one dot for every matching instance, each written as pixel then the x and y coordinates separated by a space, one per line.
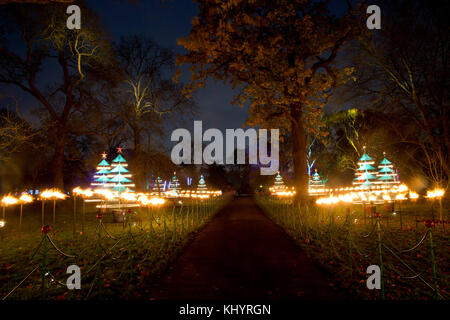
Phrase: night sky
pixel 165 22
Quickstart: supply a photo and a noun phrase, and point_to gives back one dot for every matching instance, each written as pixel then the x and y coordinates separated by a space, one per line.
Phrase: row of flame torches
pixel 145 199
pixel 153 199
pixel 49 194
pixel 379 194
pixel 106 194
pixel 358 195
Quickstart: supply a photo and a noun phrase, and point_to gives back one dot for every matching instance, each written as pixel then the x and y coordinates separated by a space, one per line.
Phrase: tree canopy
pixel 280 55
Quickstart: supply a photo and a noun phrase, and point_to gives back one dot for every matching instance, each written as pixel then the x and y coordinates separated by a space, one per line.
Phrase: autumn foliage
pixel 280 55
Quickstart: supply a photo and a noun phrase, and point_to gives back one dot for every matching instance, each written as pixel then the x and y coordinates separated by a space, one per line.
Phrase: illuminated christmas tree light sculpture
pixel 365 174
pixel 158 186
pixel 174 185
pixel 201 185
pixel 119 174
pixel 316 184
pixel 101 179
pixel 386 175
pixel 279 183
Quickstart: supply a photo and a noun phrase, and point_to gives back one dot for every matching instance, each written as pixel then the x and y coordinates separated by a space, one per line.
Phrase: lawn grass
pixel 120 263
pixel 344 241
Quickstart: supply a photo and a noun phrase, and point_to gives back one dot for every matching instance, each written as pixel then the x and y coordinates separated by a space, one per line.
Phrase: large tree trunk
pixel 299 155
pixel 138 165
pixel 58 160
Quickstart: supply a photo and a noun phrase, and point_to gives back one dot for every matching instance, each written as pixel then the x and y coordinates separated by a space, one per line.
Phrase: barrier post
pixel 98 275
pixel 45 231
pixel 380 253
pixel 74 214
pixel 43 213
pixel 331 232
pixel 20 217
pixel 54 212
pixel 130 252
pixel 174 221
pixel 165 226
pixel 150 214
pixel 430 224
pixel 349 237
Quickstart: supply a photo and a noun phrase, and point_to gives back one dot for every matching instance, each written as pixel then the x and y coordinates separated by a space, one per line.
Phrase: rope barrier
pixel 20 283
pixel 279 212
pixel 358 250
pixel 406 277
pixel 107 233
pixel 140 237
pixel 418 244
pixel 424 237
pixel 59 250
pixel 107 252
pixel 412 270
pixel 54 279
pixel 370 233
pixel 102 257
pixel 37 248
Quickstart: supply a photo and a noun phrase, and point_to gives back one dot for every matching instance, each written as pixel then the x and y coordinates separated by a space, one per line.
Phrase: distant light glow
pixel 9 200
pixel 26 198
pixel 53 194
pixel 157 201
pixel 413 195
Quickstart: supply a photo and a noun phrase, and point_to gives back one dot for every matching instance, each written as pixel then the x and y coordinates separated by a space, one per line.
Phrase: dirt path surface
pixel 241 254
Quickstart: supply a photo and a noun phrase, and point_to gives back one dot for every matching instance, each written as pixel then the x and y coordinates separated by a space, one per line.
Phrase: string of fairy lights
pixel 369 186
